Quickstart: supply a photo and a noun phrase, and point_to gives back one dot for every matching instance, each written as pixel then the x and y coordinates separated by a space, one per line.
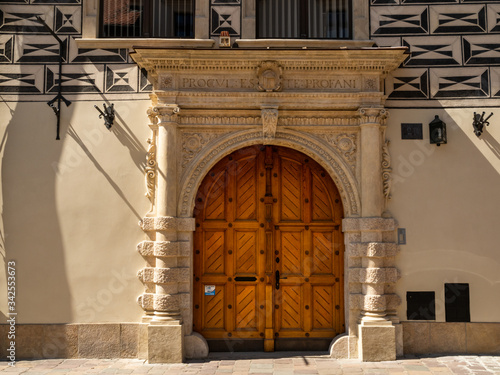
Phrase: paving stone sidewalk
pixel 263 363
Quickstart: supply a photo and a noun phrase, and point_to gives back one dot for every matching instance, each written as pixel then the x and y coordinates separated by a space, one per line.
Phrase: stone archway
pixel 198 116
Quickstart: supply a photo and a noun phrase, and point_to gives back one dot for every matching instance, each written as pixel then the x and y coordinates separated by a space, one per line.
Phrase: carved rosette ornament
pixel 270 75
pixel 345 144
pixel 269 123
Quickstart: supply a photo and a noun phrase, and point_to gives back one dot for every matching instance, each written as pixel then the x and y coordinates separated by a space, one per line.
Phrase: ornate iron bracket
pixel 479 122
pixel 59 96
pixel 108 114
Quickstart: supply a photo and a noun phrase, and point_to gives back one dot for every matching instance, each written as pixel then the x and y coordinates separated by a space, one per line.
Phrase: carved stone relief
pixel 345 144
pixel 269 123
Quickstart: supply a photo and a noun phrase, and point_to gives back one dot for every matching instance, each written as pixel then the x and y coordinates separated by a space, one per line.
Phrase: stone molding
pixel 164 248
pixel 369 224
pixel 164 302
pixel 167 223
pixel 163 275
pixel 374 275
pixel 372 249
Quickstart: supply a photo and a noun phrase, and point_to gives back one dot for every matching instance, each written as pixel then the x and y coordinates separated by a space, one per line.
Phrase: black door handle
pixel 277 279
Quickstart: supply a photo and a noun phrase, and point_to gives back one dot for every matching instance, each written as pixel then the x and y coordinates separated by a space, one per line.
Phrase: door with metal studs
pixel 268 253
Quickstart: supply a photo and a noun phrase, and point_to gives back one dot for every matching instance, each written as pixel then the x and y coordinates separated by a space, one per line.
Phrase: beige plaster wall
pixel 447 199
pixel 70 211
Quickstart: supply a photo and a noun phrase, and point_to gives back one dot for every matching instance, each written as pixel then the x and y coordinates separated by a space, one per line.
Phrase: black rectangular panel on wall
pixel 420 306
pixel 457 302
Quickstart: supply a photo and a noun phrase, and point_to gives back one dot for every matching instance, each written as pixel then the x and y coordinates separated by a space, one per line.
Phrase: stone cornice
pixel 376 60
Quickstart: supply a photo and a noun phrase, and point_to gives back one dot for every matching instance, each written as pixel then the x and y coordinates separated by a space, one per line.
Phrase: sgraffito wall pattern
pixel 454 48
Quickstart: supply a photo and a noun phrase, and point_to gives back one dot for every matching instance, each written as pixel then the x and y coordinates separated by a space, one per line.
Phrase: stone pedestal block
pixel 165 343
pixel 377 343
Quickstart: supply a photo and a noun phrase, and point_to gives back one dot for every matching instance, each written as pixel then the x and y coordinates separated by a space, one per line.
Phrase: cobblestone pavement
pixel 253 364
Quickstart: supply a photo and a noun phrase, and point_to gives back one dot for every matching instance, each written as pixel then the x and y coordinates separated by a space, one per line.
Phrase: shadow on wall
pixel 31 223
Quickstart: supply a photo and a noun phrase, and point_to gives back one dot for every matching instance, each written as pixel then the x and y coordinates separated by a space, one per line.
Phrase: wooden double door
pixel 268 253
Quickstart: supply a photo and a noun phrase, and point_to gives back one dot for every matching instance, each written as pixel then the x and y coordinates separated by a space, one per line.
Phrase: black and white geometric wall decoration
pixel 430 2
pixel 225 2
pixel 121 78
pixel 459 19
pixel 494 18
pixel 75 79
pixel 17 1
pixel 6 48
pixel 97 55
pixel 56 1
pixel 40 49
pixel 68 20
pixel 433 51
pixel 482 49
pixel 460 83
pixel 16 79
pixel 393 41
pixel 22 18
pixel 384 2
pixel 144 84
pixel 225 18
pixel 391 20
pixel 408 84
pixel 495 82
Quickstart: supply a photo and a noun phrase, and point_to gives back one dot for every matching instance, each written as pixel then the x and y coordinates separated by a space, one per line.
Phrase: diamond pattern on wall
pixel 68 20
pixel 408 84
pixel 392 20
pixel 22 19
pixel 458 19
pixel 96 55
pixel 494 18
pixel 40 49
pixel 144 84
pixel 482 49
pixel 6 48
pixel 27 79
pixel 56 1
pixel 495 82
pixel 121 78
pixel 432 51
pixel 75 79
pixel 225 18
pixel 460 83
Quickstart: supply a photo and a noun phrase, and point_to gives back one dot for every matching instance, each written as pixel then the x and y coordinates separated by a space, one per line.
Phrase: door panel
pixel 259 211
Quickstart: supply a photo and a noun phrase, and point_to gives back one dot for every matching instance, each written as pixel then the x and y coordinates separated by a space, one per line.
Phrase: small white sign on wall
pixel 210 290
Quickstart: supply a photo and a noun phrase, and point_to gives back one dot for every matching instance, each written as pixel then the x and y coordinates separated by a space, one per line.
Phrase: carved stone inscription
pixel 224 83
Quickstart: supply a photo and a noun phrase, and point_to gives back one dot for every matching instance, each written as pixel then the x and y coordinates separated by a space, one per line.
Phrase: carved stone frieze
pixel 219 120
pixel 318 121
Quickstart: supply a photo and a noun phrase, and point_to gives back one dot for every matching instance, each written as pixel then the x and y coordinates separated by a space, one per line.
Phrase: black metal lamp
pixel 437 131
pixel 479 122
pixel 108 114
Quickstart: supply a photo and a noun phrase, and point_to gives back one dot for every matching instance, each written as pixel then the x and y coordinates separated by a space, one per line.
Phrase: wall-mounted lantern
pixel 108 114
pixel 479 122
pixel 437 131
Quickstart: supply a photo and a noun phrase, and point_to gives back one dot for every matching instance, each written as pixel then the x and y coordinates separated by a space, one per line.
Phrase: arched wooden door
pixel 268 253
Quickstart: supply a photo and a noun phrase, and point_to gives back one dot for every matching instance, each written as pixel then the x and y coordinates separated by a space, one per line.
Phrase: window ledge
pixel 143 43
pixel 303 43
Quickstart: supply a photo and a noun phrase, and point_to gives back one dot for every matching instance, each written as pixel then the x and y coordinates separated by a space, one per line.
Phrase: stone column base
pixel 165 343
pixel 377 342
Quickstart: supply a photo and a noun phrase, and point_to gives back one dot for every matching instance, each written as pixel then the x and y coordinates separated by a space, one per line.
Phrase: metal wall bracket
pixel 59 96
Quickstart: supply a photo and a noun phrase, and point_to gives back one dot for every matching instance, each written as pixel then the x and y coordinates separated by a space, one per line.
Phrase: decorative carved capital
pixel 373 116
pixel 164 113
pixel 269 122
